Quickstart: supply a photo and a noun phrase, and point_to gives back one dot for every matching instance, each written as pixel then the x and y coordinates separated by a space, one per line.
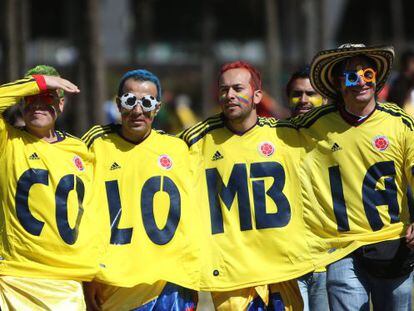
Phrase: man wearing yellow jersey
pixel 302 98
pixel 143 180
pixel 355 173
pixel 252 214
pixel 46 248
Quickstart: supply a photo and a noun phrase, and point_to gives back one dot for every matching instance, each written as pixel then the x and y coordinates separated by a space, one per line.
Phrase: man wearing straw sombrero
pixel 358 163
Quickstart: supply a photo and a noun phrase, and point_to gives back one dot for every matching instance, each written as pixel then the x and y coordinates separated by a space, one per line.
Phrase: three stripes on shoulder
pixel 95 132
pixel 198 131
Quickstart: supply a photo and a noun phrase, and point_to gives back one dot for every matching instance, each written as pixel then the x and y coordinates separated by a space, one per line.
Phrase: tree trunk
pixel 207 62
pixel 322 30
pixel 14 38
pixel 273 64
pixel 397 20
pixel 311 29
pixel 93 69
pixel 142 31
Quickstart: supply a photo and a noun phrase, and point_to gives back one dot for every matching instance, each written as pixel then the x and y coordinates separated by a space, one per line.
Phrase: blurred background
pixel 93 42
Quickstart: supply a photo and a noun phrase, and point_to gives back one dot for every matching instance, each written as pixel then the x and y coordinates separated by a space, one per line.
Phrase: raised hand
pixel 54 83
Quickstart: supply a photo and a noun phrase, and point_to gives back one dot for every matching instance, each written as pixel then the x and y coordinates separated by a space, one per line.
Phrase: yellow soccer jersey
pixel 355 177
pixel 249 203
pixel 35 294
pixel 45 197
pixel 150 224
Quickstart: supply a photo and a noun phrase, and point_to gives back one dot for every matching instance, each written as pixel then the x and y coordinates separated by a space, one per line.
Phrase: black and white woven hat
pixel 321 67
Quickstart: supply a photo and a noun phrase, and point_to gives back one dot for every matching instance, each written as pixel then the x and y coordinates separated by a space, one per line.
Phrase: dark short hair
pixel 256 79
pixel 302 73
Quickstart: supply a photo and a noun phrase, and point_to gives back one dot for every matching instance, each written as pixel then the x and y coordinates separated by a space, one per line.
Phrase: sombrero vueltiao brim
pixel 323 63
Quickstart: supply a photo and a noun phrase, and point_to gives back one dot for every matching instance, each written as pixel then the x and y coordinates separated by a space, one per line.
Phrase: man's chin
pixel 138 128
pixel 232 114
pixel 39 124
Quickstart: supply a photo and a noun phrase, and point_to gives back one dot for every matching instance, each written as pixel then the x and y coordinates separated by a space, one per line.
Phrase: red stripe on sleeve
pixel 40 80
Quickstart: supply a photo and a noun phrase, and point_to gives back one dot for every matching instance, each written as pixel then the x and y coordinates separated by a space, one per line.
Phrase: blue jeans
pixel 349 287
pixel 313 290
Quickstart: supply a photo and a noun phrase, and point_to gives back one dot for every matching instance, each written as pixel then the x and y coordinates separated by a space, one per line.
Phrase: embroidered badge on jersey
pixel 165 162
pixel 266 149
pixel 380 143
pixel 78 163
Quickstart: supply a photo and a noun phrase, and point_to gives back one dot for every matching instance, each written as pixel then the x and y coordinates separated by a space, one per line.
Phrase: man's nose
pixel 361 81
pixel 36 105
pixel 304 98
pixel 231 93
pixel 138 109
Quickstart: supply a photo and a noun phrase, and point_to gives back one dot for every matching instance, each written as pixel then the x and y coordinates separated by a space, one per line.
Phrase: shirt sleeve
pixel 12 92
pixel 409 157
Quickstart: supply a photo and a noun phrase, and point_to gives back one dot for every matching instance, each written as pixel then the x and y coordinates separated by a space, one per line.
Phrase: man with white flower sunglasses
pixel 150 258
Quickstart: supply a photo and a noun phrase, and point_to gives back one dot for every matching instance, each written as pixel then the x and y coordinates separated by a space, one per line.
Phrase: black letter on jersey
pixel 118 236
pixel 237 184
pixel 26 181
pixel 282 217
pixel 150 188
pixel 338 199
pixel 373 198
pixel 66 185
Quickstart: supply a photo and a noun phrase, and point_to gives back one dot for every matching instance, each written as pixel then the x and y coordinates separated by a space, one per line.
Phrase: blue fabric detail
pixel 276 302
pixel 172 298
pixel 257 305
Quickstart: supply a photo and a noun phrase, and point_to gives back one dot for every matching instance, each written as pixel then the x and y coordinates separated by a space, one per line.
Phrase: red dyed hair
pixel 255 78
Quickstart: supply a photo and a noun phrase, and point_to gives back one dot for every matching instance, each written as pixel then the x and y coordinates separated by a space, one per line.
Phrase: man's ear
pixel 157 109
pixel 118 103
pixel 61 105
pixel 257 96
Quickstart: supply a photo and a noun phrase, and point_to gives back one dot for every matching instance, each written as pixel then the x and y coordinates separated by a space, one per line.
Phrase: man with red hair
pixel 253 228
pixel 267 107
pixel 255 77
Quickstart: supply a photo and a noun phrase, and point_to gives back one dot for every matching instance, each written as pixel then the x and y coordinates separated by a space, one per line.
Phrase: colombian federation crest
pixel 266 149
pixel 78 163
pixel 380 143
pixel 165 162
